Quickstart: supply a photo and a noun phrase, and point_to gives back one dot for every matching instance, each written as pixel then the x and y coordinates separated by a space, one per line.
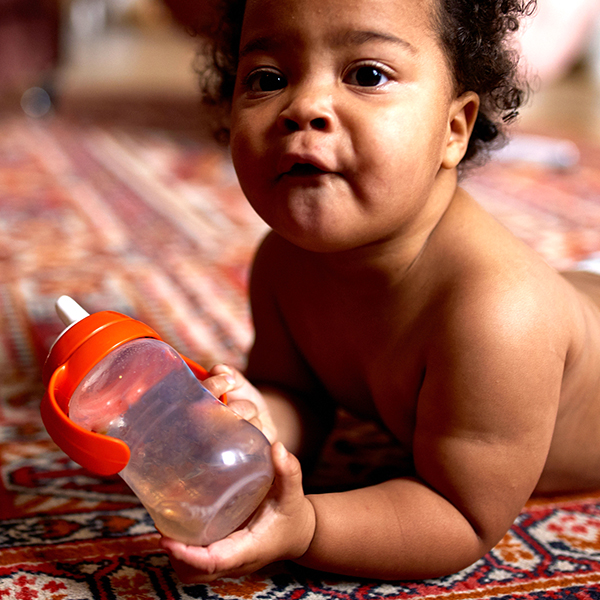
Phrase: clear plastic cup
pixel 198 468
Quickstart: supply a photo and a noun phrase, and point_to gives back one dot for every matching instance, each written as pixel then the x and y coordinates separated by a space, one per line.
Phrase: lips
pixel 304 170
pixel 296 165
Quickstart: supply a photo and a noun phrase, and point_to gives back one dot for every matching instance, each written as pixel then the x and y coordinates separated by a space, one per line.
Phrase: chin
pixel 317 242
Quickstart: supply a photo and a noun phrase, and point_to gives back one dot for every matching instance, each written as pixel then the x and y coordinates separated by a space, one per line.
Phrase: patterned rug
pixel 150 221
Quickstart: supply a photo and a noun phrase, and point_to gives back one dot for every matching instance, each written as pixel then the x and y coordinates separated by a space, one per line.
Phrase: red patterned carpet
pixel 151 222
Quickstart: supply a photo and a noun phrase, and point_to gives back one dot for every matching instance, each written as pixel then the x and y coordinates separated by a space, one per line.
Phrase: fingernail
pixel 230 379
pixel 280 449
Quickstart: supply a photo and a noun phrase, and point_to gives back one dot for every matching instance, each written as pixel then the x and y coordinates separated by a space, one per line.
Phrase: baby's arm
pixel 484 424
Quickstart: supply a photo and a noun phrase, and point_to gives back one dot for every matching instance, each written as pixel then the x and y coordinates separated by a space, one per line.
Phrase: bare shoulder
pixel 501 287
pixel 508 325
pixel 507 317
pixel 517 354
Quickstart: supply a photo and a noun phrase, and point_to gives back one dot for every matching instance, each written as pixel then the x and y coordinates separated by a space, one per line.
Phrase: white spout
pixel 69 311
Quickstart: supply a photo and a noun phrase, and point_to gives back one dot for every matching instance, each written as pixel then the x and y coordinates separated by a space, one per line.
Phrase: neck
pixel 388 261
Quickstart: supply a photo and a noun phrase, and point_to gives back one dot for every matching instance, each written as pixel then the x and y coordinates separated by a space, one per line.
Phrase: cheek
pixel 248 134
pixel 387 134
pixel 388 149
pixel 399 156
pixel 237 149
pixel 410 143
pixel 249 167
pixel 243 151
pixel 237 138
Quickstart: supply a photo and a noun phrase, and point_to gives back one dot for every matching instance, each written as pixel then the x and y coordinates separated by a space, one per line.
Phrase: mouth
pixel 305 170
pixel 302 169
pixel 303 165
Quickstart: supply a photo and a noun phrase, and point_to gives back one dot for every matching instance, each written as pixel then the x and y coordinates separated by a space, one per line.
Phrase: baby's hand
pixel 242 397
pixel 282 528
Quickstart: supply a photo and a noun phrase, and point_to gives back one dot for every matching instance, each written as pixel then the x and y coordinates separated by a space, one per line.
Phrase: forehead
pixel 403 19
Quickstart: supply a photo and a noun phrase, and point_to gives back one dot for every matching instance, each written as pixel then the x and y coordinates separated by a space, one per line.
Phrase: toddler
pixel 384 288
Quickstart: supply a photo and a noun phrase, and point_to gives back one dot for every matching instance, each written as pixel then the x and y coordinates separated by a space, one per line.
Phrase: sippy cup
pixel 121 400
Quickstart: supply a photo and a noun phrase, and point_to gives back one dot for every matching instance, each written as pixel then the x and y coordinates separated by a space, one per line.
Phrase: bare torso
pixel 368 340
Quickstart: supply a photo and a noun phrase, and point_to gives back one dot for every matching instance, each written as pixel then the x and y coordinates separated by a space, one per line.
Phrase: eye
pixel 367 76
pixel 265 81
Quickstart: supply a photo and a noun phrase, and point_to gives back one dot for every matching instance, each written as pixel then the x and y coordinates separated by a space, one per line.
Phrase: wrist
pixel 309 530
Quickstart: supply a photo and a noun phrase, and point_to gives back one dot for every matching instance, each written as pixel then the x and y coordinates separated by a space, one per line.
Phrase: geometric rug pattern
pixel 151 222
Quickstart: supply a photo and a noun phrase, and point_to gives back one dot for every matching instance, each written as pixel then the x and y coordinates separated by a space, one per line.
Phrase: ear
pixel 462 115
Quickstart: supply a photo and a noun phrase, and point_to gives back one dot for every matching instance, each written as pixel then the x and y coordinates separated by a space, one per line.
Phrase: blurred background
pixel 73 55
pixel 94 56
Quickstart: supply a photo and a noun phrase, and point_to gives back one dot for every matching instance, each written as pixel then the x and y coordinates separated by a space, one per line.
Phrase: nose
pixel 310 108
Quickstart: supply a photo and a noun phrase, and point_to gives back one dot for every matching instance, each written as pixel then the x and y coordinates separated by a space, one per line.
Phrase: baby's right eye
pixel 265 81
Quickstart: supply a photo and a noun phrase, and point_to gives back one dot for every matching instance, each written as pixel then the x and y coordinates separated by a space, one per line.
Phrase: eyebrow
pixel 359 37
pixel 261 44
pixel 349 38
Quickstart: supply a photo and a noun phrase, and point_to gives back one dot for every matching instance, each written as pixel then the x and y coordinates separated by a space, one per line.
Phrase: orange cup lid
pixel 95 336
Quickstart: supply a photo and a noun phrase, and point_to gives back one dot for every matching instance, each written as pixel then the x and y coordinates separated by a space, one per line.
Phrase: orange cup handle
pixel 98 453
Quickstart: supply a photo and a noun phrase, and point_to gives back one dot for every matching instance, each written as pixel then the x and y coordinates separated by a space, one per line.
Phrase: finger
pixel 288 472
pixel 189 574
pixel 222 369
pixel 221 384
pixel 193 564
pixel 292 501
pixel 244 408
pixel 233 556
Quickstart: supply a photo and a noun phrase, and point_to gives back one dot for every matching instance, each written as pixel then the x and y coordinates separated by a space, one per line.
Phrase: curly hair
pixel 474 34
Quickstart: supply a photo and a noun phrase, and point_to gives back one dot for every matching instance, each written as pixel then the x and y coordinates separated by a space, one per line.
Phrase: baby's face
pixel 340 119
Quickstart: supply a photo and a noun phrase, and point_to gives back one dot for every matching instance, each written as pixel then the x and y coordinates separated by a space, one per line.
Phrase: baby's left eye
pixel 367 76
